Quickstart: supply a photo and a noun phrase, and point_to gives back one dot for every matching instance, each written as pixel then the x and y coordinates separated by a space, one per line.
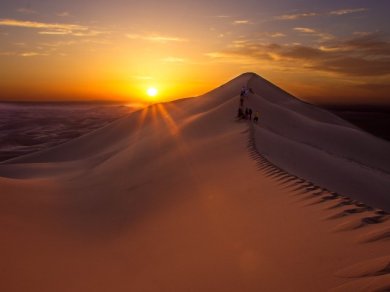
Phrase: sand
pixel 183 197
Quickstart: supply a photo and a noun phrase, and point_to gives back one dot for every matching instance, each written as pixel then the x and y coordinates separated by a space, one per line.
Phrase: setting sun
pixel 152 92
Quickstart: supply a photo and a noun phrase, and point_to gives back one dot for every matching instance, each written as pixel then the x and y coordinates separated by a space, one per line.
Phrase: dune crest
pixel 314 144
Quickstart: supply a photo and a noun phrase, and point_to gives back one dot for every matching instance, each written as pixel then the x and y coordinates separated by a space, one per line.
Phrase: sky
pixel 334 51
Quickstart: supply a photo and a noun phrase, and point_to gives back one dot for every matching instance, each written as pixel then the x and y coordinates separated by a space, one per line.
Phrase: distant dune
pixel 183 196
pixel 374 120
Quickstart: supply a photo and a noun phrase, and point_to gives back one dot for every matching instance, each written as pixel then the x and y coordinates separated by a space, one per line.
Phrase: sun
pixel 151 91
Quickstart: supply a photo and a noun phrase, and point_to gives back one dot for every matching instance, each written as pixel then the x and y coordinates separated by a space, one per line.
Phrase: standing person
pixel 256 118
pixel 240 113
pixel 243 90
pixel 246 113
pixel 246 92
pixel 250 114
pixel 241 101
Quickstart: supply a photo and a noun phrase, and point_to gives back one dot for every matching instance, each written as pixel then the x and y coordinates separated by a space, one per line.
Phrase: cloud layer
pixel 359 56
pixel 339 12
pixel 51 28
pixel 156 38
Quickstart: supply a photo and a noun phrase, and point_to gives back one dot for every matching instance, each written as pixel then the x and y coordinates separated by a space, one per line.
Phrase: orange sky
pixel 115 50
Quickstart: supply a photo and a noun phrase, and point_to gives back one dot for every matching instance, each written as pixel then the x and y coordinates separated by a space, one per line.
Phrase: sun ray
pixel 172 126
pixel 139 126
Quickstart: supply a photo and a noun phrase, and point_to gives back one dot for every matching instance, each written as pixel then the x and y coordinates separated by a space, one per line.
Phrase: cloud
pixel 52 28
pixel 312 14
pixel 296 16
pixel 35 24
pixel 372 45
pixel 164 39
pixel 55 32
pixel 277 35
pixel 347 11
pixel 357 56
pixel 58 44
pixel 74 33
pixel 375 86
pixel 245 55
pixel 242 21
pixel 305 30
pixel 23 54
pixel 63 14
pixel 229 57
pixel 31 54
pixel 313 32
pixel 361 33
pixel 26 11
pixel 156 38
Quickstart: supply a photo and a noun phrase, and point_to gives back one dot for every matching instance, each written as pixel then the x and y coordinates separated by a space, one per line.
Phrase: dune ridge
pixel 183 197
pixel 321 147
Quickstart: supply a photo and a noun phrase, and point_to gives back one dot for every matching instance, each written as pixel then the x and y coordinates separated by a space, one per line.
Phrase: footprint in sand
pixel 359 222
pixel 371 275
pixel 382 233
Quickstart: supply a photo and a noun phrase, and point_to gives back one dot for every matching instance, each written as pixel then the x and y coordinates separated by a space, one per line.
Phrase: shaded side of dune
pixel 319 146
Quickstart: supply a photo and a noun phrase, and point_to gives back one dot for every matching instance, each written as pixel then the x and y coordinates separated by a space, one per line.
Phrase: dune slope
pixel 182 197
pixel 319 146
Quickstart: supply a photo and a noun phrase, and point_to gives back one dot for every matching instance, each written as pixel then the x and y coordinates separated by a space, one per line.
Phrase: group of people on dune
pixel 247 113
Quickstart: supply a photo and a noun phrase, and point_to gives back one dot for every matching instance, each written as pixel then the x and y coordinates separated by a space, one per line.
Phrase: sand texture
pixel 182 196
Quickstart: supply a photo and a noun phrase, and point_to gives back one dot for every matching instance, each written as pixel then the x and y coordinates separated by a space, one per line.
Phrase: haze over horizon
pixel 320 51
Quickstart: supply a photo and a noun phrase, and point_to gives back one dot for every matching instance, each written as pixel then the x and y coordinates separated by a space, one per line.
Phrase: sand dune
pixel 321 147
pixel 182 197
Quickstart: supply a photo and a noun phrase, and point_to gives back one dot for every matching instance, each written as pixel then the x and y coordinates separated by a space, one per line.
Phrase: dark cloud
pixel 359 56
pixel 296 16
pixel 383 87
pixel 354 66
pixel 370 44
pixel 312 14
pixel 347 11
pixel 301 52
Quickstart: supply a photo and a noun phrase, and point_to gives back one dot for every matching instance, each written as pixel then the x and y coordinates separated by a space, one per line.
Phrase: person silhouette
pixel 256 118
pixel 243 90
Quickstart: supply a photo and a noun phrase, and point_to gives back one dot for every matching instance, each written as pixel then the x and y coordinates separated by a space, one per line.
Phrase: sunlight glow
pixel 152 92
